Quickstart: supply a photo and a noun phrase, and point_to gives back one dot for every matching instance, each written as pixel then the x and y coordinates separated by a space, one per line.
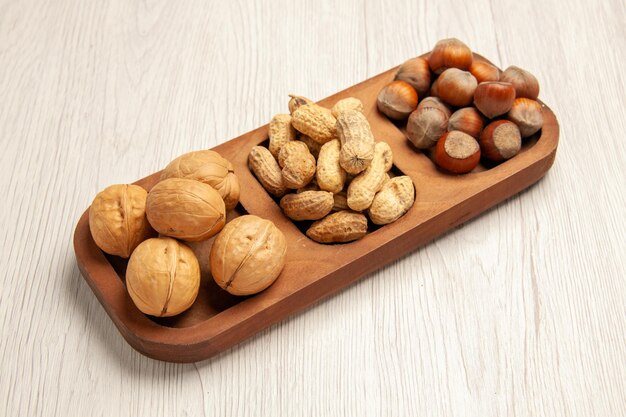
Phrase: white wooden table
pixel 520 312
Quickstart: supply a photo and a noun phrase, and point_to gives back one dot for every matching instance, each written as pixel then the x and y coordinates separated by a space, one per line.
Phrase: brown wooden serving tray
pixel 313 271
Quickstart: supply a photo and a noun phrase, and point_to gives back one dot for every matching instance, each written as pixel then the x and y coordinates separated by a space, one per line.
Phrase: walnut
pixel 185 209
pixel 210 168
pixel 248 255
pixel 117 219
pixel 163 277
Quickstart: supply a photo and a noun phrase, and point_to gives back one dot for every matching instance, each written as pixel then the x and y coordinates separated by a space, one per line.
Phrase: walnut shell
pixel 248 255
pixel 117 219
pixel 163 277
pixel 185 209
pixel 210 168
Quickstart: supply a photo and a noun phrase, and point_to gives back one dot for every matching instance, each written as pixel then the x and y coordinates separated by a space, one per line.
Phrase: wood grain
pixel 520 312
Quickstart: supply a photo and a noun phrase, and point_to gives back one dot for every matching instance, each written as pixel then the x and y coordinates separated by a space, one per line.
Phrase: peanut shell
pixel 393 200
pixel 315 121
pixel 339 227
pixel 267 171
pixel 280 133
pixel 307 205
pixel 364 187
pixel 329 175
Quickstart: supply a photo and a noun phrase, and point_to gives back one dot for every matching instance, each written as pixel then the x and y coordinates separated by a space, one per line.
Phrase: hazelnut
pixel 457 152
pixel 210 168
pixel 525 84
pixel 456 87
pixel 527 115
pixel 467 120
pixel 500 140
pixel 494 98
pixel 185 209
pixel 416 72
pixel 484 71
pixel 436 103
pixel 248 255
pixel 117 219
pixel 425 126
pixel 163 277
pixel 450 53
pixel 397 100
pixel 434 89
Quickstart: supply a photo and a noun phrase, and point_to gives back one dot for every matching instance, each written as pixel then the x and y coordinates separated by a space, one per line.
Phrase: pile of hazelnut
pixel 468 108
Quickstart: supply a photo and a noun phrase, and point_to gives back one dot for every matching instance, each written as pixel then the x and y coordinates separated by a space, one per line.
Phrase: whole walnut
pixel 208 167
pixel 248 255
pixel 185 209
pixel 163 277
pixel 117 219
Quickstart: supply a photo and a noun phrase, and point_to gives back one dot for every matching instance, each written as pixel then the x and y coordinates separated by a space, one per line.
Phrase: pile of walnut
pixel 189 203
pixel 325 166
pixel 451 79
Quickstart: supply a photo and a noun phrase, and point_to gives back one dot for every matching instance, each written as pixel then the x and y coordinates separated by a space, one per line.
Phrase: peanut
pixel 357 141
pixel 315 121
pixel 290 148
pixel 312 186
pixel 340 201
pixel 364 187
pixel 280 133
pixel 267 171
pixel 307 205
pixel 313 146
pixel 298 167
pixel 339 227
pixel 330 176
pixel 350 103
pixel 393 200
pixel 297 101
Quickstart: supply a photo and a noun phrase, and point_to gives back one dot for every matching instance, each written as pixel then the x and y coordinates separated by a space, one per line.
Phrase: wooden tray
pixel 313 271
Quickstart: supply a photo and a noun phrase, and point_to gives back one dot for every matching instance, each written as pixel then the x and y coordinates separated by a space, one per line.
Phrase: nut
pixel 330 176
pixel 163 277
pixel 457 152
pixel 393 200
pixel 280 133
pixel 340 201
pixel 425 126
pixel 467 120
pixel 364 187
pixel 298 167
pixel 248 255
pixel 397 100
pixel 525 84
pixel 456 87
pixel 315 121
pixel 185 209
pixel 436 103
pixel 339 227
pixel 357 142
pixel 416 72
pixel 494 98
pixel 210 168
pixel 267 171
pixel 117 219
pixel 307 205
pixel 450 53
pixel 291 148
pixel 350 103
pixel 527 115
pixel 484 71
pixel 500 140
pixel 313 146
pixel 297 101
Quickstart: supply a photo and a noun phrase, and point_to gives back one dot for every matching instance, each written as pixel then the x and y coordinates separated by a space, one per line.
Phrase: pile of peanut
pixel 325 166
